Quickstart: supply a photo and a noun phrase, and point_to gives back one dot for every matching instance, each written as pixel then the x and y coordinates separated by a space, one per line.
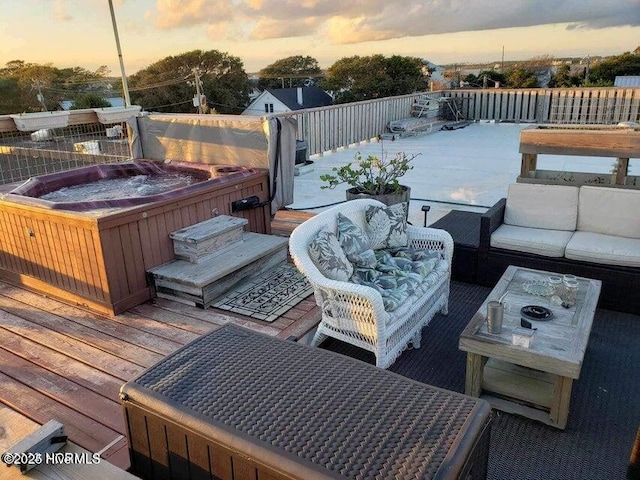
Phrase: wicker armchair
pixel 355 313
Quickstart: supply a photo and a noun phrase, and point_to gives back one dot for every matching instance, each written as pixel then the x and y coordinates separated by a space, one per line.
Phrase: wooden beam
pixel 623 143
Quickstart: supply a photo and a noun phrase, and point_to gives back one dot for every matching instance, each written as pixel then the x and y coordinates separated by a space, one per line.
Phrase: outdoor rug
pixel 268 295
pixel 605 401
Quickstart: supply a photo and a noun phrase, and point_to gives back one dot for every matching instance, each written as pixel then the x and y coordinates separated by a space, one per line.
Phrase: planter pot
pixel 116 114
pixel 387 199
pixel 30 122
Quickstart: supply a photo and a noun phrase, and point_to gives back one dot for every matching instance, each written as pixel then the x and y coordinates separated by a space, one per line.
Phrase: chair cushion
pixel 355 243
pixel 327 254
pixel 387 226
pixel 610 211
pixel 398 274
pixel 549 243
pixel 606 249
pixel 554 207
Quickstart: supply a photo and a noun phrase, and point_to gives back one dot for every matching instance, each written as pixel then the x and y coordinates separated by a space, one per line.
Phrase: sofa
pixel 377 280
pixel 588 231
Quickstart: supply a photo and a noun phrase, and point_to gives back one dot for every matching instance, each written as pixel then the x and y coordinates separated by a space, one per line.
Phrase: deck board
pixel 62 362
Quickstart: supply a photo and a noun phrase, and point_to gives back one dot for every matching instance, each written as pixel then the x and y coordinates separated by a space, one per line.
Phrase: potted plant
pixel 373 177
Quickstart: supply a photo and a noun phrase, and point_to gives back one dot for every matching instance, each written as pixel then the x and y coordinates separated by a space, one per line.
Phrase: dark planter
pixel 388 199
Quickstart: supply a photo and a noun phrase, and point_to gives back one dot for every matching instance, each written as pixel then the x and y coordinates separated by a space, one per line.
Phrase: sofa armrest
pixel 432 239
pixel 489 222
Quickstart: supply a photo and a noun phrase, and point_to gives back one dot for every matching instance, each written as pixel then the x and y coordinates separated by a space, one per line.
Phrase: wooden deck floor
pixel 65 363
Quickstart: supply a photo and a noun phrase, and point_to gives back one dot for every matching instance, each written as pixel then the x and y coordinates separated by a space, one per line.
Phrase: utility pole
pixel 198 97
pixel 502 62
pixel 586 70
pixel 38 85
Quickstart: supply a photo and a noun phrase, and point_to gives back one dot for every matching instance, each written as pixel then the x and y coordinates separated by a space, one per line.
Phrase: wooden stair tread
pixel 253 247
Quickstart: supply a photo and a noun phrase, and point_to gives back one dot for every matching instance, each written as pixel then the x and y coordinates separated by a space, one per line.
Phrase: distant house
pixel 627 81
pixel 434 72
pixel 280 100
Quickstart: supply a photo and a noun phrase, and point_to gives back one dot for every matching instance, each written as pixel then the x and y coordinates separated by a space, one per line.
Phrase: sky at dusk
pixel 70 33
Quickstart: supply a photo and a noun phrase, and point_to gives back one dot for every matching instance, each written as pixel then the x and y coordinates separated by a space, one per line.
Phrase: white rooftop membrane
pixel 472 166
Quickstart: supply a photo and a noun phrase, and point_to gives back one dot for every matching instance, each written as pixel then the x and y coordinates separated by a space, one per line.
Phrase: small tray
pixel 540 288
pixel 536 313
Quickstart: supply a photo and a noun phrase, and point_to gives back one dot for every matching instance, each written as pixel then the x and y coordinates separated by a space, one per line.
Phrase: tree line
pixel 169 85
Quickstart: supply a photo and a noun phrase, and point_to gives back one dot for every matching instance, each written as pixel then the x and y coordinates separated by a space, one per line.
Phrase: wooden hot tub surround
pixel 98 259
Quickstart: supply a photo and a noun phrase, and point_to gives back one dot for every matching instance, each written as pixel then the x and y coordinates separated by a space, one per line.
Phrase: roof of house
pixel 311 97
pixel 627 81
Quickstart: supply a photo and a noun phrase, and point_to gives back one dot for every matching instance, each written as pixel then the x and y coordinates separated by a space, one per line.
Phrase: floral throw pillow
pixel 327 254
pixel 387 226
pixel 355 243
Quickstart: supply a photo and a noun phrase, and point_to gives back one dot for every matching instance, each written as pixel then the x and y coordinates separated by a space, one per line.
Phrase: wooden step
pixel 197 242
pixel 201 283
pixel 285 221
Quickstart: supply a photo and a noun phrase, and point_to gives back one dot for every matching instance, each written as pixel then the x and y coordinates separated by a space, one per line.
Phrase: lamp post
pixel 125 86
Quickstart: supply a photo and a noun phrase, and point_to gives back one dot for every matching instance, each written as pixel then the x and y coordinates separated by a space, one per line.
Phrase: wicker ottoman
pixel 236 404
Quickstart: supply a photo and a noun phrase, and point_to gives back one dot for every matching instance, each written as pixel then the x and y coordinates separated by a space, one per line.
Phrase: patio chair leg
pixel 318 338
pixel 445 307
pixel 416 339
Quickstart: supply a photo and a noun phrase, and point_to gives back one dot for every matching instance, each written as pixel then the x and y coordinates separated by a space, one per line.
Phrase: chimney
pixel 299 94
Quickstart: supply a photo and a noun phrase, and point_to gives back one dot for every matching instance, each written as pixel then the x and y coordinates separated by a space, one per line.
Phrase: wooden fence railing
pixel 603 106
pixel 329 128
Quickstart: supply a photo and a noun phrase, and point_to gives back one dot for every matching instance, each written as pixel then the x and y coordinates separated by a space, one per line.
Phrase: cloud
pixel 369 20
pixel 60 11
pixel 187 13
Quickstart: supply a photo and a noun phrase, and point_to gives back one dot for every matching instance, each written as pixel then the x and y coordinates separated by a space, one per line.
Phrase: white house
pixel 280 100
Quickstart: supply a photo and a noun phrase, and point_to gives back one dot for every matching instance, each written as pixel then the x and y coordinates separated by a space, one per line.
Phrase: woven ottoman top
pixel 337 415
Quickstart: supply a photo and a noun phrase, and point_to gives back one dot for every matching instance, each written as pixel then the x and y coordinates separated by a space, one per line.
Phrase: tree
pixel 493 77
pixel 89 100
pixel 362 78
pixel 30 87
pixel 605 72
pixel 289 72
pixel 520 77
pixel 169 84
pixel 564 78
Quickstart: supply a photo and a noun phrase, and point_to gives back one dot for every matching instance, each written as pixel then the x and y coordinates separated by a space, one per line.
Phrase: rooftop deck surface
pixel 65 363
pixel 465 169
pixel 58 361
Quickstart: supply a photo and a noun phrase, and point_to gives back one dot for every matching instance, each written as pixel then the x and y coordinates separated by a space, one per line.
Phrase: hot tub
pixel 96 253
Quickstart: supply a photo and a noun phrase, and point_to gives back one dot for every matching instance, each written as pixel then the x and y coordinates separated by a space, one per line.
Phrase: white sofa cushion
pixel 550 243
pixel 553 207
pixel 610 211
pixel 606 249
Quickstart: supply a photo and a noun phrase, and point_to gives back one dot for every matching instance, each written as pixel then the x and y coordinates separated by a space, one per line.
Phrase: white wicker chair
pixel 355 313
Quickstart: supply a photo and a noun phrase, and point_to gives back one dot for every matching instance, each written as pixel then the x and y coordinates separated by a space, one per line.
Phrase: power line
pixel 168 105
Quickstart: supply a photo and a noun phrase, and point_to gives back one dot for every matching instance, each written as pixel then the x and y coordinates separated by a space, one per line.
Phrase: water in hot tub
pixel 115 188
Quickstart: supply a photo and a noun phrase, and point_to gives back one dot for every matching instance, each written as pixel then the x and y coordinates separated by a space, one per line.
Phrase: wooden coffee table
pixel 534 382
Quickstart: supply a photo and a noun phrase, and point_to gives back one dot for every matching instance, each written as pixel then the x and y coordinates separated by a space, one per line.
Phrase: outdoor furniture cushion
pixel 550 243
pixel 397 274
pixel 605 249
pixel 355 243
pixel 553 207
pixel 327 254
pixel 387 226
pixel 610 211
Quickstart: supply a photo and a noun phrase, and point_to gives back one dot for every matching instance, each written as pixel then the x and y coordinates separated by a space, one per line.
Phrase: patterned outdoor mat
pixel 269 295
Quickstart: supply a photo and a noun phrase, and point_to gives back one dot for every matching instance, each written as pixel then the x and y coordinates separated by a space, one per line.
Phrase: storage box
pixel 242 405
